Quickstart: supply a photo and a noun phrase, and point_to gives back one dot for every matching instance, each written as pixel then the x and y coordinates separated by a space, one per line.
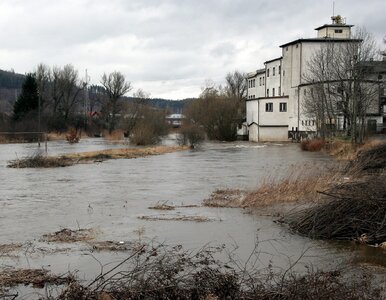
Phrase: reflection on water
pixel 110 196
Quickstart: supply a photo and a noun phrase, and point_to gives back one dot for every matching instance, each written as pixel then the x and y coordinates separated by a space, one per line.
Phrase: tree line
pixel 57 98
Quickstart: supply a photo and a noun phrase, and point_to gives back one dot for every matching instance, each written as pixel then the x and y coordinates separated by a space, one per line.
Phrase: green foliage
pixel 28 100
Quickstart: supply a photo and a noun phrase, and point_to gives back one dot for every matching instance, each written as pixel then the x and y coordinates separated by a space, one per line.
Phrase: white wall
pixel 253 133
pixel 273 134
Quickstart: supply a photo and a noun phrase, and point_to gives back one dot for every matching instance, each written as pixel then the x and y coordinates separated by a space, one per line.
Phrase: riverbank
pixel 41 161
pixel 346 202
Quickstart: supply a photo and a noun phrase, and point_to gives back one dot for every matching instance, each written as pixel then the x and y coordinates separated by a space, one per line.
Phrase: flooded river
pixel 111 196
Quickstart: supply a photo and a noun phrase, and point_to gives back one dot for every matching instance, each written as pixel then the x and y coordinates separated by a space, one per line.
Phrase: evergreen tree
pixel 28 100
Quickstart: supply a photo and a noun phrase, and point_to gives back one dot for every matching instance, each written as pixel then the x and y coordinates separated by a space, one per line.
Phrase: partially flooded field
pixel 88 217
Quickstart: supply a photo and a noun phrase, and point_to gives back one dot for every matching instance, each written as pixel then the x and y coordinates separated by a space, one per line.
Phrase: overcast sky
pixel 167 48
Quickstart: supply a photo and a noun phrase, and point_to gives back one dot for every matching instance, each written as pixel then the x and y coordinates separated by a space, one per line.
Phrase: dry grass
pixel 69 236
pixel 165 206
pixel 8 249
pixel 225 198
pixel 125 153
pixel 41 161
pixel 300 186
pixel 197 219
pixel 36 277
pixel 116 135
pixel 312 145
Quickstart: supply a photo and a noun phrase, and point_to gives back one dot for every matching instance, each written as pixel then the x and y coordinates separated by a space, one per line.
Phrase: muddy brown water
pixel 110 196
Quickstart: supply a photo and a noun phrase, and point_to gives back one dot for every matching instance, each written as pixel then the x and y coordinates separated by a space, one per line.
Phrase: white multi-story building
pixel 276 93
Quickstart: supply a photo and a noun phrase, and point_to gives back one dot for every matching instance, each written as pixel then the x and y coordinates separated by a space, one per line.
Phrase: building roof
pixel 271 60
pixel 320 40
pixel 333 25
pixel 253 74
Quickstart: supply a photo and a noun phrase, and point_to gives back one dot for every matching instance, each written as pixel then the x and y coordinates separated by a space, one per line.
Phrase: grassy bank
pixel 344 203
pixel 41 161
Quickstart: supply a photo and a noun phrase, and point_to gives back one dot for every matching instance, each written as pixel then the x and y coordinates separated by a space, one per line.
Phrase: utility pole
pixel 39 117
pixel 86 100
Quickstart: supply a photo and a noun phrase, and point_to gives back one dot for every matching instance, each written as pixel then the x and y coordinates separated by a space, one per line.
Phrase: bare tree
pixel 340 83
pixel 115 86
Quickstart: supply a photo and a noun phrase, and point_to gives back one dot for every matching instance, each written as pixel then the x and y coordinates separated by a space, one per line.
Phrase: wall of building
pixel 252 111
pixel 273 134
pixel 273 81
pixel 253 132
pixel 276 117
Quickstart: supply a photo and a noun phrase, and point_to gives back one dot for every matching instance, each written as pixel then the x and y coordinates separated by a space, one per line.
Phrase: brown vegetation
pixel 165 206
pixel 312 145
pixel 176 218
pixel 297 187
pixel 69 236
pixel 156 271
pixel 353 210
pixel 36 277
pixel 72 136
pixel 7 249
pixel 41 161
pixel 225 198
pixel 115 135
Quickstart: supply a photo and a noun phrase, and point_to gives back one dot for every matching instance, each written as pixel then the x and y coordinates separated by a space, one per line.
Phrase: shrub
pixel 313 145
pixel 191 134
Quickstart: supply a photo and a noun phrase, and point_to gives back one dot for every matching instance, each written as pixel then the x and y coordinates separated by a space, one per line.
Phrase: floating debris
pixel 69 236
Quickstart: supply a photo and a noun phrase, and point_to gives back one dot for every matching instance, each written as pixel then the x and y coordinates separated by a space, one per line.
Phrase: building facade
pixel 277 92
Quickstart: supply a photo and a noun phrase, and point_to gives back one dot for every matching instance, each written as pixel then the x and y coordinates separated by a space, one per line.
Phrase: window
pixel 273 92
pixel 273 71
pixel 283 107
pixel 279 91
pixel 267 92
pixel 305 92
pixel 297 45
pixel 267 72
pixel 263 80
pixel 260 81
pixel 286 48
pixel 269 107
pixel 283 73
pixel 279 70
pixel 254 82
pixel 338 30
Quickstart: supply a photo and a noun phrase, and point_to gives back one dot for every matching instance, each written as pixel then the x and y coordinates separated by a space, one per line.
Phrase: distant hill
pixel 173 106
pixel 11 80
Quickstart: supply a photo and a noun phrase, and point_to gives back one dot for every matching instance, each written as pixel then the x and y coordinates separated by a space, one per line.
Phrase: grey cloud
pixel 180 42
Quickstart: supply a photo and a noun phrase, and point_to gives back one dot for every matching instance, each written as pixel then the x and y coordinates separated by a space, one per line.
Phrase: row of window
pixel 282 107
pixel 251 83
pixel 308 122
pixel 273 92
pixel 274 71
pixel 251 97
